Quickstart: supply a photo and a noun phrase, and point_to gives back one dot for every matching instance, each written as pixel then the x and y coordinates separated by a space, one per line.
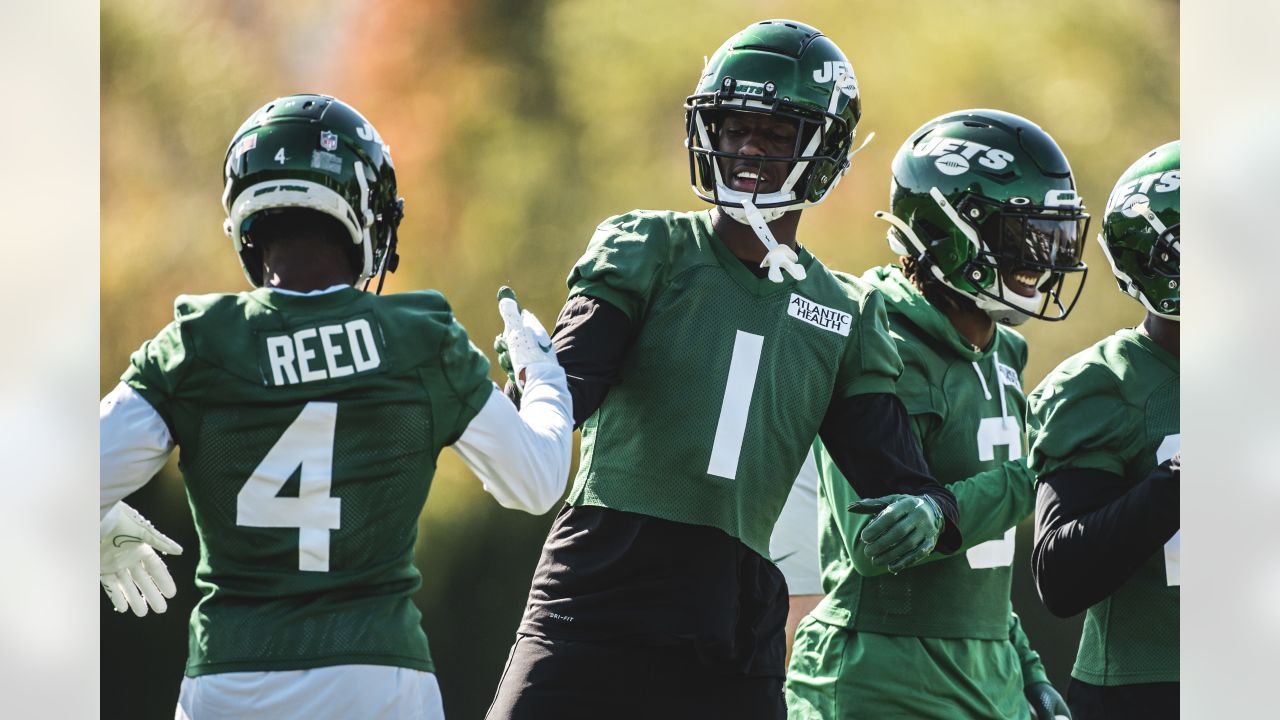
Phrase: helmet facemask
pixel 1027 240
pixel 818 160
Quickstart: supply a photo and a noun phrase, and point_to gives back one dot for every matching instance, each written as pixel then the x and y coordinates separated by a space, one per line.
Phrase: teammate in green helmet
pixel 984 213
pixel 310 415
pixel 705 351
pixel 1105 436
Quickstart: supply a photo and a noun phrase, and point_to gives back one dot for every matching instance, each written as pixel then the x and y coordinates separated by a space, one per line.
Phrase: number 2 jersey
pixel 309 430
pixel 967 407
pixel 947 623
pixel 1114 408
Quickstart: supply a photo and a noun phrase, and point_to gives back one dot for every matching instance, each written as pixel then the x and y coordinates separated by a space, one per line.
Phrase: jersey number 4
pixel 307 444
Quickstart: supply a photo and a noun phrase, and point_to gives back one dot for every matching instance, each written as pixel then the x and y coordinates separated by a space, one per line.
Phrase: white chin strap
pixel 1006 315
pixel 780 257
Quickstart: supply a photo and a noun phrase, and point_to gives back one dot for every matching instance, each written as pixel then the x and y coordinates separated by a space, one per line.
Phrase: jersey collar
pixel 758 286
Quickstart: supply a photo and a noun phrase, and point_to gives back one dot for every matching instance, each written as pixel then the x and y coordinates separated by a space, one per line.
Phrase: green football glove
pixel 131 572
pixel 904 530
pixel 523 341
pixel 1046 703
pixel 504 357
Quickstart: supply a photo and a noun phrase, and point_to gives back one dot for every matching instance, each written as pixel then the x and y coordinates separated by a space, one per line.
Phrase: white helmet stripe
pixel 965 228
pixel 1144 209
pixel 366 217
pixel 705 137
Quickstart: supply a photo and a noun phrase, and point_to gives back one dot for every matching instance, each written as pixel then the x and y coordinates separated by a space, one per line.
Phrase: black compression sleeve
pixel 591 340
pixel 1091 535
pixel 870 438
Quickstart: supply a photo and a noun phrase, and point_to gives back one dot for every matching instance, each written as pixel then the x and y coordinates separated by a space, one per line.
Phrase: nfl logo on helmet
pixel 328 140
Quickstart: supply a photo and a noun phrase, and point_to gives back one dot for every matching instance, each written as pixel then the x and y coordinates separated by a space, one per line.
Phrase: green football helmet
pixel 314 152
pixel 1140 231
pixel 780 68
pixel 985 201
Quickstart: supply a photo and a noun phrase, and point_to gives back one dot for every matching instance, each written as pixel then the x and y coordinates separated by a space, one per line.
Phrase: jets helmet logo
pixel 840 72
pixel 1129 196
pixel 954 155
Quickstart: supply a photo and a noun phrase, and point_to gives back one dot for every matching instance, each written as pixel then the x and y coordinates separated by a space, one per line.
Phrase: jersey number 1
pixel 307 444
pixel 738 388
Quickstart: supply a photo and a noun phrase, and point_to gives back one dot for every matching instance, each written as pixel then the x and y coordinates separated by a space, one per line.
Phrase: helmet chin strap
pixel 1006 315
pixel 780 257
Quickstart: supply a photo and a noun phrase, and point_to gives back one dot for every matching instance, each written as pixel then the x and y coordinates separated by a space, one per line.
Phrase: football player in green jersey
pixel 310 414
pixel 1105 436
pixel 705 351
pixel 985 215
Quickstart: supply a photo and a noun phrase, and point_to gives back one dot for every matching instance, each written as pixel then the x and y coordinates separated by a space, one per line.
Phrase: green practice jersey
pixel 966 407
pixel 1114 407
pixel 309 429
pixel 946 625
pixel 728 376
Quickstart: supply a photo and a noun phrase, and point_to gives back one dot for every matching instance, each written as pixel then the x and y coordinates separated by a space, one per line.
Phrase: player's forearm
pixel 993 501
pixel 523 457
pixel 1089 542
pixel 134 444
pixel 870 439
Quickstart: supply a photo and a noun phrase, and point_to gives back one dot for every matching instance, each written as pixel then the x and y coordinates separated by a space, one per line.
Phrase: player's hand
pixel 1046 703
pixel 523 341
pixel 132 574
pixel 904 530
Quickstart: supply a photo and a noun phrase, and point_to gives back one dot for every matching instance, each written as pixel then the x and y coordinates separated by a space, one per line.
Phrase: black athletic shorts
pixel 570 680
pixel 1122 702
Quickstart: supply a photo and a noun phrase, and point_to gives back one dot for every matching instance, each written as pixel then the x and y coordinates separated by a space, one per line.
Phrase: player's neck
pixel 1165 333
pixel 741 239
pixel 303 267
pixel 974 325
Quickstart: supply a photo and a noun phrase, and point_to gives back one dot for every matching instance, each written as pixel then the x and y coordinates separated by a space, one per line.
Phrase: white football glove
pixel 527 342
pixel 132 574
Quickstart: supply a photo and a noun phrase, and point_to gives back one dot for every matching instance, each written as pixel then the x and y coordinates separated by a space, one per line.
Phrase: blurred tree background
pixel 517 125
